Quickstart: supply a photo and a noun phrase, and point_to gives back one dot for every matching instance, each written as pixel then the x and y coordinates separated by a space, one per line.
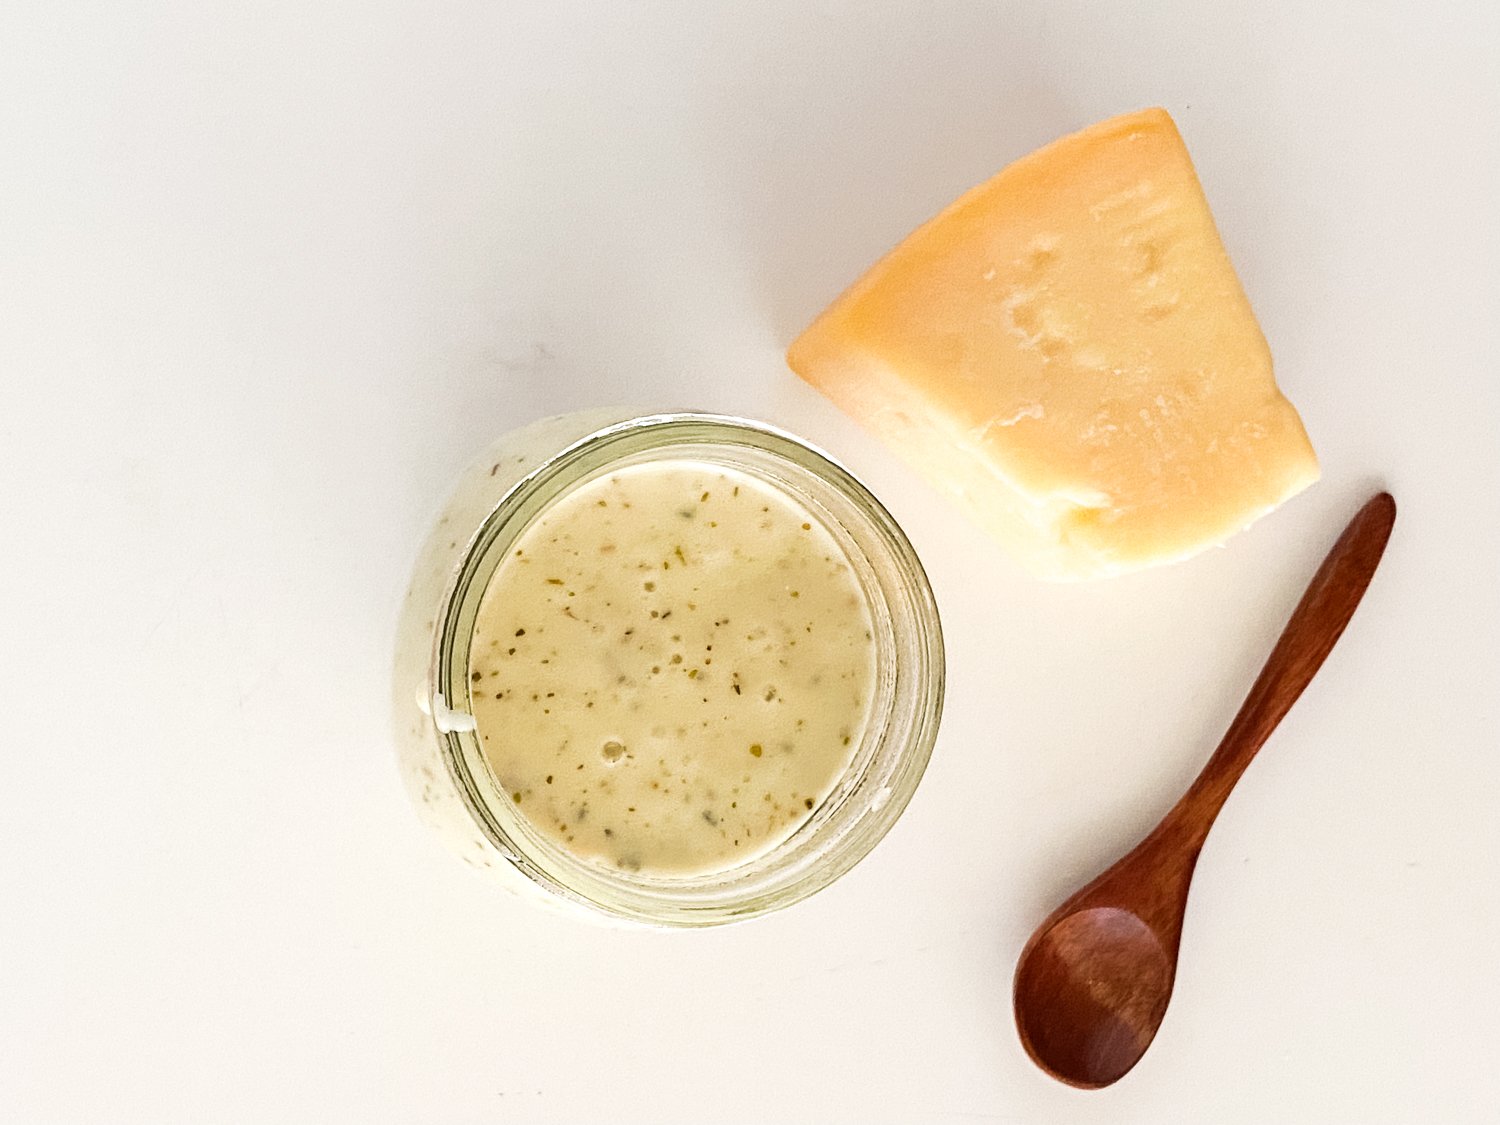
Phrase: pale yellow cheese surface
pixel 1067 350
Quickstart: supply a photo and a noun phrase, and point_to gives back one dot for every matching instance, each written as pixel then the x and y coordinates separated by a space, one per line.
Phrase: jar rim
pixel 871 802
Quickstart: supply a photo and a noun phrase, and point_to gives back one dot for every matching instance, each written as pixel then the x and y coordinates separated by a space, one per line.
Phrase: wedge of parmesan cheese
pixel 1067 351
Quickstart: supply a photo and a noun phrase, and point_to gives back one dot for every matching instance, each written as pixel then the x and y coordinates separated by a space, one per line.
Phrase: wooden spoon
pixel 1093 982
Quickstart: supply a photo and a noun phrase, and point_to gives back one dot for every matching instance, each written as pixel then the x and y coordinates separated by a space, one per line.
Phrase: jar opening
pixel 901 718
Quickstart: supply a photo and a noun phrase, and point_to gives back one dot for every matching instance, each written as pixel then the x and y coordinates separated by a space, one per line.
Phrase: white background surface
pixel 271 272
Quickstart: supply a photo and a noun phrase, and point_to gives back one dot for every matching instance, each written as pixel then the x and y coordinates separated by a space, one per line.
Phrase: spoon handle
pixel 1315 626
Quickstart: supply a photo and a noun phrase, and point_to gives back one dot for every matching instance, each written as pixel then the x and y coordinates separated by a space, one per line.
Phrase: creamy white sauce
pixel 672 668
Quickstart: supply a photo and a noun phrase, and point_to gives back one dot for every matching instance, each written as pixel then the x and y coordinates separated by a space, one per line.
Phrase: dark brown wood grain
pixel 1092 984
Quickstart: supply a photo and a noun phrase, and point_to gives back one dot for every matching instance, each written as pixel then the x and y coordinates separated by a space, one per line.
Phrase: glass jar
pixel 496 500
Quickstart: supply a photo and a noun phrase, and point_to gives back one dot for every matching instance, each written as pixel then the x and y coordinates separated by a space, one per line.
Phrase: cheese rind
pixel 1066 349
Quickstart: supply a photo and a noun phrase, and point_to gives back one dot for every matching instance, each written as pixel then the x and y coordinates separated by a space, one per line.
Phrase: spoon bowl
pixel 1090 993
pixel 1092 984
